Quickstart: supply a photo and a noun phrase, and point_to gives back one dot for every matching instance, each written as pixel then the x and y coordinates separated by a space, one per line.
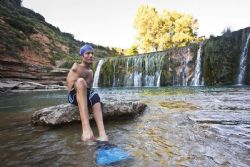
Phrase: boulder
pixel 66 113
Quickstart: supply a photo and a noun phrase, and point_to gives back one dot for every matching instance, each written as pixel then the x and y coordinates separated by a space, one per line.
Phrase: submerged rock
pixel 66 113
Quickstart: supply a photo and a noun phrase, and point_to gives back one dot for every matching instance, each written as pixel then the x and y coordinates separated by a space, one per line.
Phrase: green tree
pixel 162 31
pixel 226 32
pixel 131 51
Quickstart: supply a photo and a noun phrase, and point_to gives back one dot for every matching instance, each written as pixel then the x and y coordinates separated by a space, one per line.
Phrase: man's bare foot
pixel 86 136
pixel 102 138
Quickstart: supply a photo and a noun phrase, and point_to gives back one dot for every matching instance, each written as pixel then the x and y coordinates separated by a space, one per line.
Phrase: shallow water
pixel 182 126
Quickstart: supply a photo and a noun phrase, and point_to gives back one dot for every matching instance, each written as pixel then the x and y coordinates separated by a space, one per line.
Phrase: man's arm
pixel 74 67
pixel 72 70
pixel 71 76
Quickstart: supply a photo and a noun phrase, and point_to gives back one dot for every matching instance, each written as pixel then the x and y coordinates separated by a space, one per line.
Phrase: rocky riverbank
pixel 13 85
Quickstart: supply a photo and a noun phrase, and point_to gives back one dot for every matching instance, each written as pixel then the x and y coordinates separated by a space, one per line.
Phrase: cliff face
pixel 221 58
pixel 30 47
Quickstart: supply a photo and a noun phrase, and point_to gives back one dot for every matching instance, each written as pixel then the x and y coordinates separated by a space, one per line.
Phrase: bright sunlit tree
pixel 160 31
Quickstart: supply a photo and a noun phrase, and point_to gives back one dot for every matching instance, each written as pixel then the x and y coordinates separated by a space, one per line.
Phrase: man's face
pixel 88 57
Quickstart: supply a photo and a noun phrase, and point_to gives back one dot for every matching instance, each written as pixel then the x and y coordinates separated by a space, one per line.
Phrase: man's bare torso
pixel 79 71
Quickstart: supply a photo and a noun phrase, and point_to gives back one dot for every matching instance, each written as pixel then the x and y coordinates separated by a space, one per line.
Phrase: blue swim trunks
pixel 92 97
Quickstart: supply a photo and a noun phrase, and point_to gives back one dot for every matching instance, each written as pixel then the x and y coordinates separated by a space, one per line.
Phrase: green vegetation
pixel 226 32
pixel 106 77
pixel 222 56
pixel 19 24
pixel 133 50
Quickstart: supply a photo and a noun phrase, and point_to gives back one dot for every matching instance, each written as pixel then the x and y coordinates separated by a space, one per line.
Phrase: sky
pixel 111 22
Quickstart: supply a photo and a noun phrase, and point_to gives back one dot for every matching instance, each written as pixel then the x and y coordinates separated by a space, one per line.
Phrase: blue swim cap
pixel 85 48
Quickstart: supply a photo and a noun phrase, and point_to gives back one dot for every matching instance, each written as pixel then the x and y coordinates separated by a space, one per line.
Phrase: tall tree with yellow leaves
pixel 162 31
pixel 146 22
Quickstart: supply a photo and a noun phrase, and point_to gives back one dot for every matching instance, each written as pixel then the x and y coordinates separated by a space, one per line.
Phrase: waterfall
pixel 159 70
pixel 148 70
pixel 153 69
pixel 136 71
pixel 197 72
pixel 243 63
pixel 114 78
pixel 128 81
pixel 97 73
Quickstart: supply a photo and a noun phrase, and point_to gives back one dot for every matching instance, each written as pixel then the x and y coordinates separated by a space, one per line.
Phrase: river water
pixel 182 126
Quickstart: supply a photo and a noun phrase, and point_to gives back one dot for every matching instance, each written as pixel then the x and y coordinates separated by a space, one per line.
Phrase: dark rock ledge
pixel 67 113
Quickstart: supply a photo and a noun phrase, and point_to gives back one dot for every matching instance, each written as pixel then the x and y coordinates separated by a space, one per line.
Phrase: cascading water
pixel 158 72
pixel 148 70
pixel 243 63
pixel 97 73
pixel 137 64
pixel 197 73
pixel 153 68
pixel 114 78
pixel 128 81
pixel 136 71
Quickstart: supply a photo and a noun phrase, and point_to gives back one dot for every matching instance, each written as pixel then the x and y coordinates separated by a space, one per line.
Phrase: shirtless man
pixel 79 83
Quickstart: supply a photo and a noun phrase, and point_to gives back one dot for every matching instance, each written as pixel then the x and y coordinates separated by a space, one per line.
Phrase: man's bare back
pixel 79 71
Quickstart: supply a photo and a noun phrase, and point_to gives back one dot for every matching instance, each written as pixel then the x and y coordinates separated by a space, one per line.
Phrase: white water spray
pixel 97 73
pixel 197 73
pixel 243 63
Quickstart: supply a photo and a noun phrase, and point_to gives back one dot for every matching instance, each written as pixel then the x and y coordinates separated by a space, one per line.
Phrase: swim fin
pixel 109 153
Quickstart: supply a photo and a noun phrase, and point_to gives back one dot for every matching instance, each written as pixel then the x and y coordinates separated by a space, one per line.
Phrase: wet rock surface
pixel 223 118
pixel 216 132
pixel 12 85
pixel 66 113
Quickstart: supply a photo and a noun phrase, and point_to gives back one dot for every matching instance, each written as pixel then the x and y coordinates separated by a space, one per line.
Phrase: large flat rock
pixel 66 113
pixel 221 117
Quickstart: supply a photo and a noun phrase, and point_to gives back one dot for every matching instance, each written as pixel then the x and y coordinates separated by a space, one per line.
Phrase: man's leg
pixel 81 96
pixel 97 111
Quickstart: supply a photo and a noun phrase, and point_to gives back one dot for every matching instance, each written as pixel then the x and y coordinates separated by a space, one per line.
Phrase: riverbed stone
pixel 67 113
